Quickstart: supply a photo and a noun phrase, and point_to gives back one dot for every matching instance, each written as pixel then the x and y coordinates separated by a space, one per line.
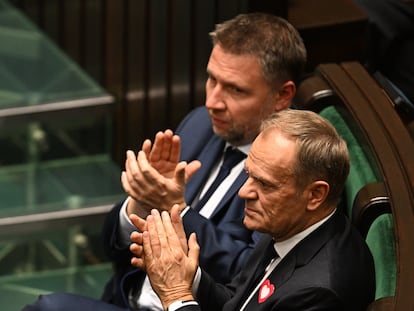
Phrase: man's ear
pixel 284 96
pixel 317 193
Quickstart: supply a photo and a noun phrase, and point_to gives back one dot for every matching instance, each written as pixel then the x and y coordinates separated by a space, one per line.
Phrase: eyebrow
pixel 228 83
pixel 256 177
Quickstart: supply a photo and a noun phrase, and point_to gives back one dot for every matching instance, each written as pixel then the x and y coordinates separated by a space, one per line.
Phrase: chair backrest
pixel 371 213
pixel 367 203
pixel 385 152
pixel 363 170
pixel 381 241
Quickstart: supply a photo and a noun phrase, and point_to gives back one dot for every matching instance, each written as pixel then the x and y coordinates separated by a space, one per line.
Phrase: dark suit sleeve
pixel 120 255
pixel 212 295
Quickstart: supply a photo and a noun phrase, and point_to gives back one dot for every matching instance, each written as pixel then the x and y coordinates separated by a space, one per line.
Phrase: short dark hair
pixel 277 45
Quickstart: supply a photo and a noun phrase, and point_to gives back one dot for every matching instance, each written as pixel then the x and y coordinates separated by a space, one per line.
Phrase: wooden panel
pixel 278 7
pixel 92 38
pixel 70 39
pixel 333 31
pixel 136 70
pixel 180 83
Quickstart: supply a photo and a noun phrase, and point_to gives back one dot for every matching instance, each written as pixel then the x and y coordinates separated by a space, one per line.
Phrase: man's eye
pixel 258 181
pixel 266 185
pixel 212 80
pixel 236 90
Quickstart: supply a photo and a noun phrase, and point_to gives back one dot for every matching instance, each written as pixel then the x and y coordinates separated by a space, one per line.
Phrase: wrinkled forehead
pixel 272 152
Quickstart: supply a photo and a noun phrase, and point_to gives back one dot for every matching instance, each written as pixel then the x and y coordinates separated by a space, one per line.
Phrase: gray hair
pixel 321 153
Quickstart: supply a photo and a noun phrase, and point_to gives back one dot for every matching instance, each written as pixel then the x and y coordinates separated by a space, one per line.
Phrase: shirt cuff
pixel 176 305
pixel 126 227
pixel 196 282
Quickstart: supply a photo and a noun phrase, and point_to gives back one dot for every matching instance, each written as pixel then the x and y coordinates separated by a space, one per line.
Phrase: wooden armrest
pixel 382 304
pixel 315 94
pixel 371 201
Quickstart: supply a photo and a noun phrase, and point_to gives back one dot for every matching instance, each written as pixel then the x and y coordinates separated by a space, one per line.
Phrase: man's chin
pixel 231 139
pixel 249 223
pixel 221 131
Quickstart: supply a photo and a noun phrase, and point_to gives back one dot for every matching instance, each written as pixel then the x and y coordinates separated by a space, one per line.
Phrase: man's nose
pixel 246 191
pixel 215 98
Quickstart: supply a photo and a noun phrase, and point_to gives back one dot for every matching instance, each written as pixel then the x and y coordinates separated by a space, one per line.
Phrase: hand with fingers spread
pixel 156 178
pixel 164 154
pixel 170 267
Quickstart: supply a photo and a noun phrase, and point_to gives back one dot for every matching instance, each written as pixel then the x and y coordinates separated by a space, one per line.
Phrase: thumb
pixel 191 169
pixel 179 174
pixel 193 248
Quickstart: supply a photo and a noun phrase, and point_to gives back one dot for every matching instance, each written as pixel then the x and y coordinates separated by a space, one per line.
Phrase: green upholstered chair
pixel 367 205
pixel 362 169
pixel 386 220
pixel 381 241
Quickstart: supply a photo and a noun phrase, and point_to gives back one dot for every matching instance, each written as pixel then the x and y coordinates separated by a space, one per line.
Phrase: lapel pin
pixel 266 290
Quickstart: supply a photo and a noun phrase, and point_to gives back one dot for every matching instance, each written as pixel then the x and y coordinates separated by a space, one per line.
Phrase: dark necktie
pixel 232 156
pixel 269 253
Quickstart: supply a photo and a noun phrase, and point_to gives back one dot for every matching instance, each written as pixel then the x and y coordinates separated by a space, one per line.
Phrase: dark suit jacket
pixel 331 269
pixel 224 241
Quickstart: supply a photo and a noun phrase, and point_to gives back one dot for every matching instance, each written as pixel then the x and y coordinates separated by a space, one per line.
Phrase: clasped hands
pixel 155 181
pixel 155 178
pixel 161 249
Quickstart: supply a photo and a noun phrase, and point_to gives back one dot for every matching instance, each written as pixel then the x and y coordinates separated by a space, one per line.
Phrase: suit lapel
pixel 299 256
pixel 305 250
pixel 254 272
pixel 269 287
pixel 208 157
pixel 281 274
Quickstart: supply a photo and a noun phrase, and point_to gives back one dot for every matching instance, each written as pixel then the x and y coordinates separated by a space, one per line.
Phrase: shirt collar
pixel 245 148
pixel 284 247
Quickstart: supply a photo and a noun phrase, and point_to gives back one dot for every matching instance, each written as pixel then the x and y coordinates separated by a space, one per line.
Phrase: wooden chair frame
pixel 349 86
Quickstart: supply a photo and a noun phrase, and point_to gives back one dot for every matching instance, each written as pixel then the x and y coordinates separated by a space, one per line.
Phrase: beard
pixel 237 135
